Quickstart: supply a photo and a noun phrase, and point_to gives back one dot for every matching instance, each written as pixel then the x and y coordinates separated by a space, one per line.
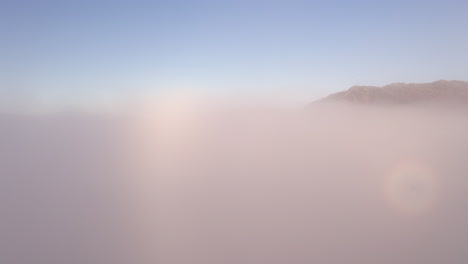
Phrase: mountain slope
pixel 402 93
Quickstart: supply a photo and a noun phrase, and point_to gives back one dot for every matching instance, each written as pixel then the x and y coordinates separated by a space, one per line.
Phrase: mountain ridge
pixel 441 91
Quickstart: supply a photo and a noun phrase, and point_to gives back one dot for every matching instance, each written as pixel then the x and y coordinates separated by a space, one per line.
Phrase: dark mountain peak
pixel 441 91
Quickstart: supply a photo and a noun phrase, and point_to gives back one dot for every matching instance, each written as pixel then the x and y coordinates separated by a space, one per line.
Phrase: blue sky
pixel 83 51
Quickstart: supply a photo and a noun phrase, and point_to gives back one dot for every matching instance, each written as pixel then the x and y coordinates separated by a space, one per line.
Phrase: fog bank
pixel 185 182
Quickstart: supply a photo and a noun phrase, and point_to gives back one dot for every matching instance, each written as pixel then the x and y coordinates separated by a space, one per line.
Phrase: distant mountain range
pixel 451 92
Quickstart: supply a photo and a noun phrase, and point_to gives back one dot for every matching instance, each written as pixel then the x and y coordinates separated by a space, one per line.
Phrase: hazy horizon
pixel 96 54
pixel 188 132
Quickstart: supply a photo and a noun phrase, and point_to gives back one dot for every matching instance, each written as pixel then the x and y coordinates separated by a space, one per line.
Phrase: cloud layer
pixel 200 183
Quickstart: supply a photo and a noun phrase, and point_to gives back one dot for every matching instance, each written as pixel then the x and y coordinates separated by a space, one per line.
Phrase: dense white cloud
pixel 235 184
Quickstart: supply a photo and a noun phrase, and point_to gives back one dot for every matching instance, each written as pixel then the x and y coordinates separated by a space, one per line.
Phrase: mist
pixel 201 182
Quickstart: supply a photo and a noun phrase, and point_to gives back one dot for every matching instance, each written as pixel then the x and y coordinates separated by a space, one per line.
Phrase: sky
pixel 102 51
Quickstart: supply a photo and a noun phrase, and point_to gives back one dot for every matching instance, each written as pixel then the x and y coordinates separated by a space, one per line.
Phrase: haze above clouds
pixel 187 132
